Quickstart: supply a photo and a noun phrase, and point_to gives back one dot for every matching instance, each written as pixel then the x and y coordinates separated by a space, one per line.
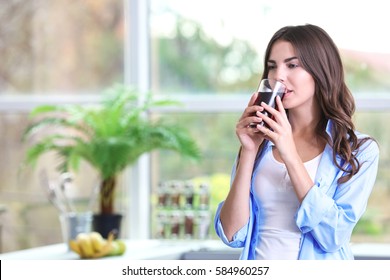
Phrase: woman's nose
pixel 280 75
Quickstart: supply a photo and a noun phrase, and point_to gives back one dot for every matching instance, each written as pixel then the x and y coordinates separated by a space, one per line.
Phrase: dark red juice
pixel 268 98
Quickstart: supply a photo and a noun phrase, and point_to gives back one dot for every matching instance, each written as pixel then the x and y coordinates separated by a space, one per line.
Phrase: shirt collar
pixel 328 129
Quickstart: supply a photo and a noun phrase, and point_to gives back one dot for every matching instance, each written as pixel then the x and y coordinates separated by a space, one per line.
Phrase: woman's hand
pixel 246 129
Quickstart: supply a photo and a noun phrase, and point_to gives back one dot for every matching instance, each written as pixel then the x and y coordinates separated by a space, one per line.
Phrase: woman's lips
pixel 287 93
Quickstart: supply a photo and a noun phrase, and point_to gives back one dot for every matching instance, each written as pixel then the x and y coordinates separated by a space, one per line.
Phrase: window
pixel 207 54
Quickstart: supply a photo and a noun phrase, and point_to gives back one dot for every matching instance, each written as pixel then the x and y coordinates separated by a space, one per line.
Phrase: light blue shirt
pixel 327 214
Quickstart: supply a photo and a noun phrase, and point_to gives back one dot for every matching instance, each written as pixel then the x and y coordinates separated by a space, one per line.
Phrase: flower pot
pixel 104 223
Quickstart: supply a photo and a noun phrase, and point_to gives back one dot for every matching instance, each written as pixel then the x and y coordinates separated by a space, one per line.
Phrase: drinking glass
pixel 268 90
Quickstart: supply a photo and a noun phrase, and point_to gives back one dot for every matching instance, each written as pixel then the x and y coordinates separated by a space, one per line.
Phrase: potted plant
pixel 109 136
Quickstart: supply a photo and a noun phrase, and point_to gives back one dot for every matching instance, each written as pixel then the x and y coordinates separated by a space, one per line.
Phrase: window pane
pixel 49 48
pixel 193 53
pixel 215 135
pixel 218 46
pixel 60 46
pixel 375 224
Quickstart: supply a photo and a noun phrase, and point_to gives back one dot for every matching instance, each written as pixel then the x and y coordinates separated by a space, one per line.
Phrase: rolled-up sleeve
pixel 313 209
pixel 239 237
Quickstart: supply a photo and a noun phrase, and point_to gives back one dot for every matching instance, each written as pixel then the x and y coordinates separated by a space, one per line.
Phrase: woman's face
pixel 284 65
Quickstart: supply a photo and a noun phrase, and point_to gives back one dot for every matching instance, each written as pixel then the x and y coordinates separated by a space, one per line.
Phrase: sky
pixel 358 25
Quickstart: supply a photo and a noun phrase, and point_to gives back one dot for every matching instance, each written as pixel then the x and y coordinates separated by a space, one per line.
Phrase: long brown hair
pixel 320 57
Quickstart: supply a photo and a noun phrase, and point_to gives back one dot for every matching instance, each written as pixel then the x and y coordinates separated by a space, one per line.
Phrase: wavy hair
pixel 320 57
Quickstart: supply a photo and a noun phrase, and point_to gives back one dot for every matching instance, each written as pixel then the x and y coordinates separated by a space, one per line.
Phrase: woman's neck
pixel 304 125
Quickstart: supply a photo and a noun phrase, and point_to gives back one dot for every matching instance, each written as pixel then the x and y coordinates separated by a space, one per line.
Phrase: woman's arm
pixel 234 213
pixel 235 210
pixel 330 219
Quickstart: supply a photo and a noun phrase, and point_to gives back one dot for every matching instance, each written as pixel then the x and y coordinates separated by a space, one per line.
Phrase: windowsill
pixel 135 250
pixel 177 250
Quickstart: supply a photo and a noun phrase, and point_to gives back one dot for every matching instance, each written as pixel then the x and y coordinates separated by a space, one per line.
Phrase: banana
pixel 97 240
pixel 93 245
pixel 106 249
pixel 85 245
pixel 74 246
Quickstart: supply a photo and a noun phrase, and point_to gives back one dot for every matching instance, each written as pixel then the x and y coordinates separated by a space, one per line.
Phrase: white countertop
pixel 135 250
pixel 151 249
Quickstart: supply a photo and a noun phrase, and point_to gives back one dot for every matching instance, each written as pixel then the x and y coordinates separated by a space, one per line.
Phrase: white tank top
pixel 279 235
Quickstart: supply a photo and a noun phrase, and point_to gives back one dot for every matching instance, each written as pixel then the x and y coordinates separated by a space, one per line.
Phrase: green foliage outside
pixel 197 63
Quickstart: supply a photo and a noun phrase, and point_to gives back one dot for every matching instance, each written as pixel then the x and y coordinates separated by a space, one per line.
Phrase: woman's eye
pixel 293 65
pixel 270 67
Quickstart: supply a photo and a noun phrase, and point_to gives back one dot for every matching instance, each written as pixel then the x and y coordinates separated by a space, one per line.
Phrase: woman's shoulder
pixel 368 145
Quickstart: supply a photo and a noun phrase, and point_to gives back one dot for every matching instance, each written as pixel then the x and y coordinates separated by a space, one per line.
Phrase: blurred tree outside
pixel 375 223
pixel 193 62
pixel 366 72
pixel 60 46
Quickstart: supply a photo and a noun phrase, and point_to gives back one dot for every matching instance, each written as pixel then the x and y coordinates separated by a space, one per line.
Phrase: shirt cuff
pixel 313 208
pixel 238 238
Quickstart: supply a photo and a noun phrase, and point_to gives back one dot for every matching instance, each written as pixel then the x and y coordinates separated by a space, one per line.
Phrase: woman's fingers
pixel 269 109
pixel 279 115
pixel 269 122
pixel 253 99
pixel 249 122
pixel 280 107
pixel 266 132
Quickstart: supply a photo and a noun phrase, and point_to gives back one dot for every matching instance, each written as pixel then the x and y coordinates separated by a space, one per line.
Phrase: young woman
pixel 300 186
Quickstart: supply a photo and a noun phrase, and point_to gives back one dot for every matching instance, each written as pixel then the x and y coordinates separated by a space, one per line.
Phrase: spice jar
pixel 204 196
pixel 189 224
pixel 188 195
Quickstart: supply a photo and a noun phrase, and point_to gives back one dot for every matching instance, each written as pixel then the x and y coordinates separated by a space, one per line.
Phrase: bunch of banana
pixel 92 245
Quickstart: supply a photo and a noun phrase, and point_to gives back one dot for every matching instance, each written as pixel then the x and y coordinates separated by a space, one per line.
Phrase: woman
pixel 300 186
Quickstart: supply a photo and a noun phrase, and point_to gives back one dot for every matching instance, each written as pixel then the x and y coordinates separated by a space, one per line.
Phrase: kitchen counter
pixel 176 250
pixel 150 249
